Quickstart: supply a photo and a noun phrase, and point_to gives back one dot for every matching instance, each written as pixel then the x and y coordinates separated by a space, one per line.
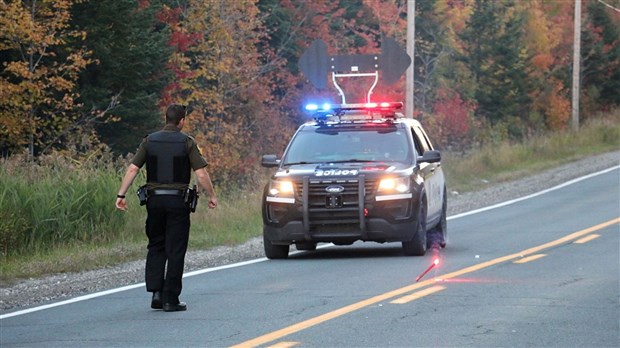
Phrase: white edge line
pixel 503 204
pixel 245 263
pixel 76 299
pixel 134 286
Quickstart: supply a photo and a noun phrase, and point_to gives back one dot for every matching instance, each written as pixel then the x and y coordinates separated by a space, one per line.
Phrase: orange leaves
pixel 455 13
pixel 14 22
pixel 34 25
pixel 391 16
pixel 543 61
pixel 38 84
pixel 558 106
pixel 219 72
pixel 542 35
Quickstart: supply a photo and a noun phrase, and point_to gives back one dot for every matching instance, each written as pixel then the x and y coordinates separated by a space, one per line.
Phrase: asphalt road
pixel 542 271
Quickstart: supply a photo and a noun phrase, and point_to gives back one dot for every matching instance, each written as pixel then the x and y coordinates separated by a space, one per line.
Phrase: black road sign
pixel 394 60
pixel 315 63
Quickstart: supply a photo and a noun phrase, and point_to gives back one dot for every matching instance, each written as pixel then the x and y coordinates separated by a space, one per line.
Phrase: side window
pixel 421 141
pixel 418 147
pixel 428 141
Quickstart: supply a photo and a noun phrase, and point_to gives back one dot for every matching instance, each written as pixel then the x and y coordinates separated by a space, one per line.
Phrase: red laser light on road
pixel 435 263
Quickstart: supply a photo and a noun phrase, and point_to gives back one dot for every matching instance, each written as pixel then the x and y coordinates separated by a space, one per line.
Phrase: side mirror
pixel 430 156
pixel 270 161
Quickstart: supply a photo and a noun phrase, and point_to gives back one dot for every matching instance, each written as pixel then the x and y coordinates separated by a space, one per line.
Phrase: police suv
pixel 356 172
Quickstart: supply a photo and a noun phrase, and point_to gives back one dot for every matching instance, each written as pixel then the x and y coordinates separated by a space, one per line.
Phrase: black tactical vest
pixel 167 160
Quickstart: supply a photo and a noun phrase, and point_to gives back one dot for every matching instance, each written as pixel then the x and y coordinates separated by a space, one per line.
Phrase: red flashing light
pixel 379 105
pixel 436 262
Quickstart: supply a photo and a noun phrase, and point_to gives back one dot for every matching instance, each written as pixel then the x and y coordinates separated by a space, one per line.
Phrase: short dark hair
pixel 175 113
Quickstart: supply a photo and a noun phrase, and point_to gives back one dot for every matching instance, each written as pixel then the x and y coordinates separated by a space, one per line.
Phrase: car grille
pixel 335 211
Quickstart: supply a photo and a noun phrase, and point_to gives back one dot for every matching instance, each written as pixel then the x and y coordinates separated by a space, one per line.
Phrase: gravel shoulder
pixel 30 292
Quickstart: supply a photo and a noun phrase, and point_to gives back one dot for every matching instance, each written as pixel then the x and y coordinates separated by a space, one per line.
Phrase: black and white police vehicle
pixel 357 171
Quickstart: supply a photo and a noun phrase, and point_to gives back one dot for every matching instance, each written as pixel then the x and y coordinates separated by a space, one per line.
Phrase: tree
pixel 548 73
pixel 431 48
pixel 601 56
pixel 131 49
pixel 498 60
pixel 38 84
pixel 451 119
pixel 220 74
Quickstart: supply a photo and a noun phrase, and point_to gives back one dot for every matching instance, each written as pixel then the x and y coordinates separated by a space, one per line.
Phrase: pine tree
pixel 601 56
pixel 498 61
pixel 431 48
pixel 130 47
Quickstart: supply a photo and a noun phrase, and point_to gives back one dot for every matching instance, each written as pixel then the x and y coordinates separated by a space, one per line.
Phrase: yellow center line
pixel 587 238
pixel 418 294
pixel 272 336
pixel 530 258
pixel 284 345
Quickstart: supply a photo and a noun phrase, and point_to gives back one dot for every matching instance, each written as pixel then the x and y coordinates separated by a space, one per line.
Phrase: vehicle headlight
pixel 394 185
pixel 281 188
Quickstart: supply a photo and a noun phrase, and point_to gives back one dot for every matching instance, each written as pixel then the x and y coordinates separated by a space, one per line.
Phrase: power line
pixel 608 5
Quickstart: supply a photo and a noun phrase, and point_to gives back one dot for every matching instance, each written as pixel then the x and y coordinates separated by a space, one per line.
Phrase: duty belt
pixel 161 192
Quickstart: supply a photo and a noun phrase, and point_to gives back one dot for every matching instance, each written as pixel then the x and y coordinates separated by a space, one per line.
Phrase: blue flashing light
pixel 321 108
pixel 312 107
pixel 320 112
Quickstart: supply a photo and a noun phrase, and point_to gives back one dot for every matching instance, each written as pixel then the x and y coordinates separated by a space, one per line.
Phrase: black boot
pixel 156 301
pixel 171 307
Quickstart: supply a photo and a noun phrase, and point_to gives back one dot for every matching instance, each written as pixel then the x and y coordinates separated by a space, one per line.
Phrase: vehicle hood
pixel 321 170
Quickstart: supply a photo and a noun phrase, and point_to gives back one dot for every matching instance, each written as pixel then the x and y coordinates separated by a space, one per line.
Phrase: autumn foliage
pixel 39 93
pixel 450 124
pixel 497 63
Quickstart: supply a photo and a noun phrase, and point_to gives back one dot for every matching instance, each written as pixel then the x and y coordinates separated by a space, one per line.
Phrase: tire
pixel 306 246
pixel 442 226
pixel 274 251
pixel 417 246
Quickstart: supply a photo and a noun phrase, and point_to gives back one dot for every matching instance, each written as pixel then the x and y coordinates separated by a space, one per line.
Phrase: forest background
pixel 83 80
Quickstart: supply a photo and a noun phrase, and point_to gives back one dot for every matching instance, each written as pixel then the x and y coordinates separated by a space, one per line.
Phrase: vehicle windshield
pixel 349 145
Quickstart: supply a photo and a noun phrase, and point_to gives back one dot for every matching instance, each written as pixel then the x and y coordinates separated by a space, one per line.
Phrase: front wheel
pixel 439 233
pixel 274 251
pixel 417 246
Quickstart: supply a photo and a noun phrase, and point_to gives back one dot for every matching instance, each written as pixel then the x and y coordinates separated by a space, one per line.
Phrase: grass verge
pixel 509 161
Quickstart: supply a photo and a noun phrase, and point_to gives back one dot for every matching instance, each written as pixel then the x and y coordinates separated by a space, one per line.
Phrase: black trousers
pixel 167 227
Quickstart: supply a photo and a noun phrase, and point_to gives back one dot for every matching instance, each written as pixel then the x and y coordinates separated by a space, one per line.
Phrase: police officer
pixel 170 155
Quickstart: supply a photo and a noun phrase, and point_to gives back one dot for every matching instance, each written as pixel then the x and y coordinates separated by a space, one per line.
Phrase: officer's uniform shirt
pixel 195 159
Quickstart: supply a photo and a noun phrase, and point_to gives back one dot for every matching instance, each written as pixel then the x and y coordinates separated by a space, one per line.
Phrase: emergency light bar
pixel 383 109
pixel 315 107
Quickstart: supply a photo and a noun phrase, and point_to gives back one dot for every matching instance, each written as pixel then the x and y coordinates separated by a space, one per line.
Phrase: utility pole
pixel 576 66
pixel 411 51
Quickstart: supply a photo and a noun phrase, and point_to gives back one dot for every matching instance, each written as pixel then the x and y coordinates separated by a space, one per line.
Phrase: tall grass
pixel 59 215
pixel 507 161
pixel 46 207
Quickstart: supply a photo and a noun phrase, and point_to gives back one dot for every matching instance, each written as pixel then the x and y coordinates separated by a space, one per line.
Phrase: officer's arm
pixel 130 175
pixel 205 182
